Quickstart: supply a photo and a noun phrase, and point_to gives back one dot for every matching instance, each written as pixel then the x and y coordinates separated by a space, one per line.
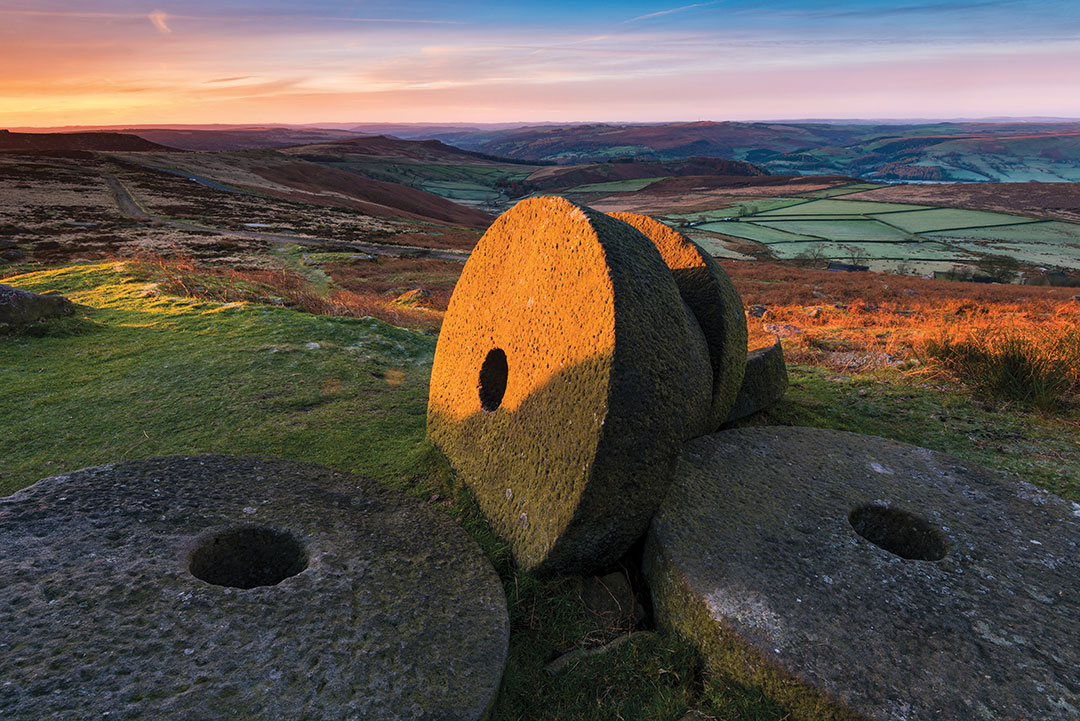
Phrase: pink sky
pixel 119 66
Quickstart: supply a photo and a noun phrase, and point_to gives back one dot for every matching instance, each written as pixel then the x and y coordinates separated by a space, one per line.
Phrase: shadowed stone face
pixel 860 578
pixel 216 587
pixel 711 296
pixel 568 372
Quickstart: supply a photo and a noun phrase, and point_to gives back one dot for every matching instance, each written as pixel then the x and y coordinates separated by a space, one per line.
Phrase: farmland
pixel 829 224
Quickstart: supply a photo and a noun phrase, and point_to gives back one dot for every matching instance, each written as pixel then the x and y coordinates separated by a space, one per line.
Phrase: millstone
pixel 856 577
pixel 567 374
pixel 763 384
pixel 215 587
pixel 711 296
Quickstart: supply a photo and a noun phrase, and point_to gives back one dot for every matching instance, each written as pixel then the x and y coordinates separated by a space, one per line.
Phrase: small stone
pixel 612 599
pixel 757 311
pixel 416 296
pixel 21 307
pixel 764 383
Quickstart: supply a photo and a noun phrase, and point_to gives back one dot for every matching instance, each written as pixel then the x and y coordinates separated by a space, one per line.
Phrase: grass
pixel 1039 368
pixel 143 370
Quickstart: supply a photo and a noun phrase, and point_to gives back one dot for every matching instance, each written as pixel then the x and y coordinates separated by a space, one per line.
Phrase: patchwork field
pixel 827 224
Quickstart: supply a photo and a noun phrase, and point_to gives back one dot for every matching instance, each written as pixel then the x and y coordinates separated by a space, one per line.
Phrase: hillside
pixel 931 151
pixel 239 138
pixel 111 142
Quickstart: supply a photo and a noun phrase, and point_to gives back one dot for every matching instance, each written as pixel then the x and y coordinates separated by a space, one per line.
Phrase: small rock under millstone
pixel 860 578
pixel 217 587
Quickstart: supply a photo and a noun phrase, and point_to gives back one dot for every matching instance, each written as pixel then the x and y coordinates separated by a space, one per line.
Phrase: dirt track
pixel 130 208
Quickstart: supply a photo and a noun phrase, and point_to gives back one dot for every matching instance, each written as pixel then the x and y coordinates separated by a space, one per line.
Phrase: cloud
pixel 227 80
pixel 668 12
pixel 158 18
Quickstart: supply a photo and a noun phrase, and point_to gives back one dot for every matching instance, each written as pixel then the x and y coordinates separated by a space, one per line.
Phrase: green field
pixel 937 219
pixel 791 226
pixel 840 230
pixel 830 206
pixel 760 233
pixel 615 186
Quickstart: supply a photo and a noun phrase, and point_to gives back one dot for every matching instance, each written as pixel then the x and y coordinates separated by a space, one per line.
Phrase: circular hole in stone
pixel 493 379
pixel 898 532
pixel 247 557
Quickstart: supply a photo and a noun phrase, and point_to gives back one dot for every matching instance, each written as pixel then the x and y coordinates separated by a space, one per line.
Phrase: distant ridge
pixel 112 142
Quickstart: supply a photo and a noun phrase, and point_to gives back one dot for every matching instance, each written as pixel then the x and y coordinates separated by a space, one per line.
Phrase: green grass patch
pixel 614 186
pixel 754 231
pixel 937 219
pixel 838 230
pixel 844 207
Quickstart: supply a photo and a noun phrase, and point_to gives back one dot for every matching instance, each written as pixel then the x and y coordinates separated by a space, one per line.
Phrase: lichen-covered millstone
pixel 567 374
pixel 860 578
pixel 711 296
pixel 343 600
pixel 763 384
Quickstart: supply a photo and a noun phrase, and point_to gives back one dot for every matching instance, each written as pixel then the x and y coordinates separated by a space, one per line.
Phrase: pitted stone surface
pixel 711 296
pixel 395 614
pixel 568 373
pixel 755 556
pixel 763 384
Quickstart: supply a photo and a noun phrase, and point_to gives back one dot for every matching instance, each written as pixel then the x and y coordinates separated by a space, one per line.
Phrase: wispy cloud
pixel 158 18
pixel 227 80
pixel 668 12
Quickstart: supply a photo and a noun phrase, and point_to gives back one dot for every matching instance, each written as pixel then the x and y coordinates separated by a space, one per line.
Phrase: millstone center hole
pixel 247 557
pixel 898 532
pixel 493 379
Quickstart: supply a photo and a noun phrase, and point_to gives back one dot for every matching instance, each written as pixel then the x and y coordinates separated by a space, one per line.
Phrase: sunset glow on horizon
pixel 119 62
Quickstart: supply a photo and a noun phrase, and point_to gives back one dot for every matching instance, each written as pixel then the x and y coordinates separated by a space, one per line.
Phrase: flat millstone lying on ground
pixel 755 556
pixel 393 611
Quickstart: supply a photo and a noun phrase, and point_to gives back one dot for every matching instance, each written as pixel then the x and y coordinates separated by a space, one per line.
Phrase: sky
pixel 65 62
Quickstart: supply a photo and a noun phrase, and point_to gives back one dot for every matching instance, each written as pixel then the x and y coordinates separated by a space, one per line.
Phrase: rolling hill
pixel 967 151
pixel 90 141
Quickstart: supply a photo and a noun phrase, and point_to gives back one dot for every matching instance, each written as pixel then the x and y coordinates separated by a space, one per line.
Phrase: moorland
pixel 250 296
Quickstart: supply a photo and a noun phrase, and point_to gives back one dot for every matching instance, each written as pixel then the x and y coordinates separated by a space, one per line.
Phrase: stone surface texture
pixel 398 615
pixel 19 307
pixel 604 370
pixel 763 384
pixel 753 557
pixel 711 296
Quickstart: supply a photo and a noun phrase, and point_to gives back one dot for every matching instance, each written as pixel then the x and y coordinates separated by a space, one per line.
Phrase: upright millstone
pixel 855 577
pixel 567 374
pixel 711 296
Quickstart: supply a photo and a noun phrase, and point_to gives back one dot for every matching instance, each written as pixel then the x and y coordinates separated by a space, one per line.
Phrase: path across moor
pixel 130 208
